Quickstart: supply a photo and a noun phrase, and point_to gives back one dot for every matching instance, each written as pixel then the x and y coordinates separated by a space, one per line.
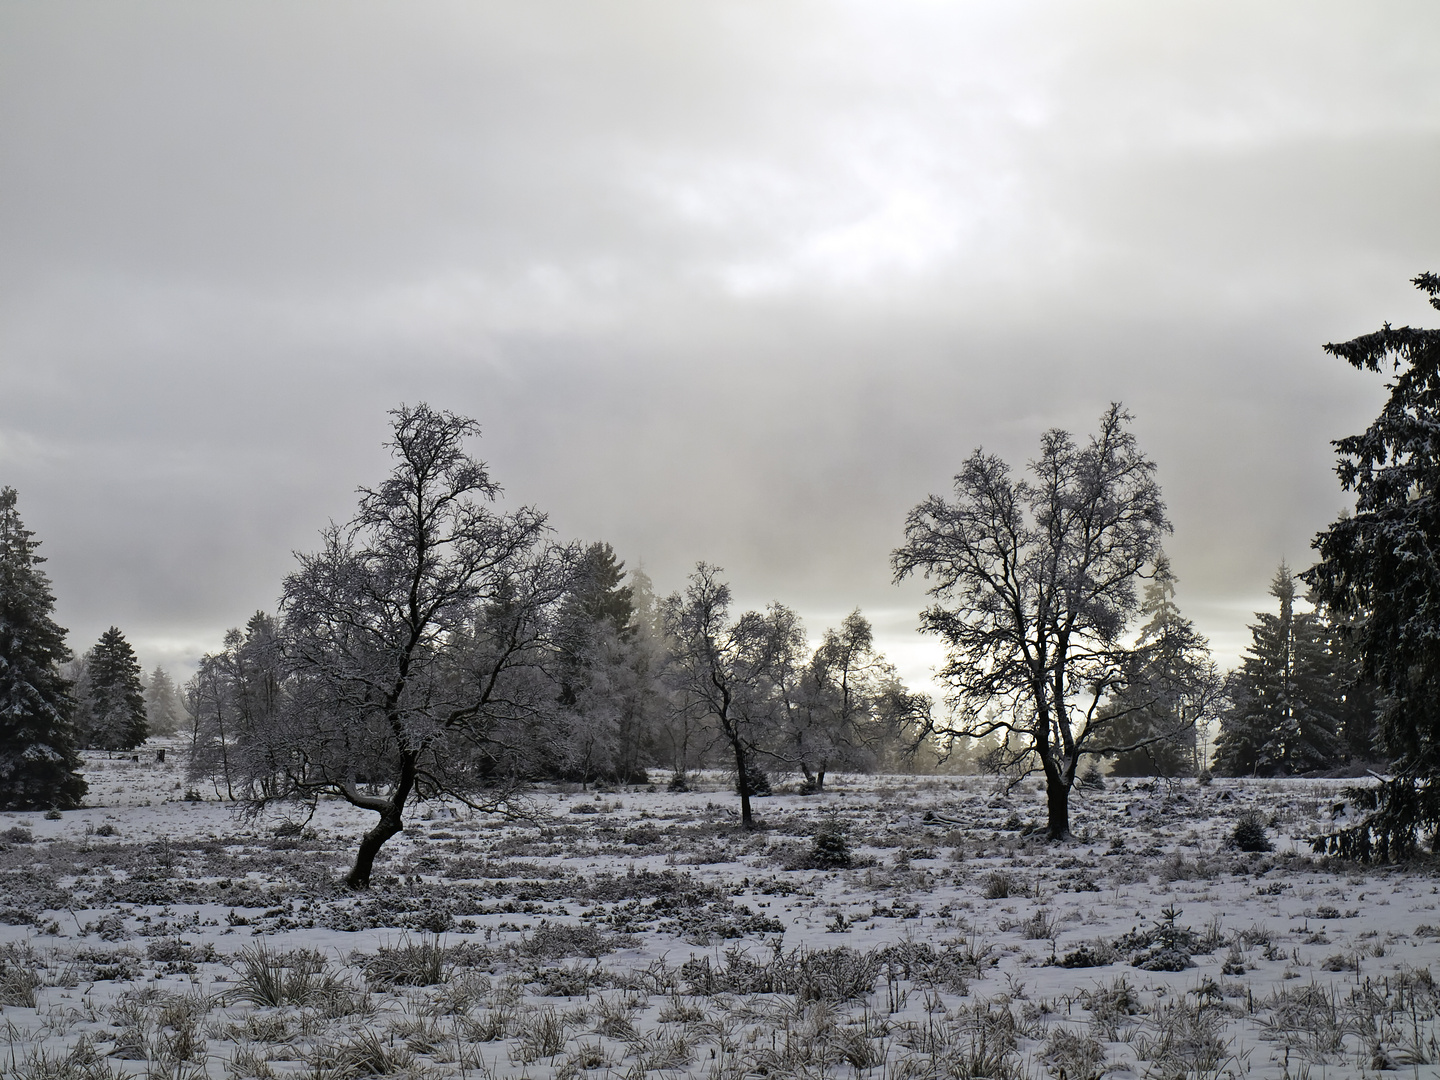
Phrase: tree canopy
pixel 1287 698
pixel 1381 563
pixel 1379 569
pixel 164 713
pixel 39 765
pixel 1171 692
pixel 417 642
pixel 728 671
pixel 112 708
pixel 1035 584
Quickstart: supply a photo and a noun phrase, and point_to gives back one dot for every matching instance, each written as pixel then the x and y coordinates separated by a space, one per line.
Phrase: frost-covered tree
pixel 164 714
pixel 728 673
pixel 1379 564
pixel 1287 696
pixel 678 731
pixel 39 765
pixel 234 700
pixel 419 642
pixel 609 669
pixel 1379 569
pixel 1035 586
pixel 1171 692
pixel 113 708
pixel 834 705
pixel 1359 705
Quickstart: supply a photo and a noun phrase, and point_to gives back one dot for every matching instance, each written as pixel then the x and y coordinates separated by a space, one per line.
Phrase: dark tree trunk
pixel 814 779
pixel 1057 800
pixel 391 822
pixel 374 840
pixel 742 784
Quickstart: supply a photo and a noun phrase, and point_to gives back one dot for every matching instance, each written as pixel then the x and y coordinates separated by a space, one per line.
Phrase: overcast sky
pixel 740 282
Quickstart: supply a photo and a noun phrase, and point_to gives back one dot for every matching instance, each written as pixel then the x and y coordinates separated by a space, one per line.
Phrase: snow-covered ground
pixel 640 931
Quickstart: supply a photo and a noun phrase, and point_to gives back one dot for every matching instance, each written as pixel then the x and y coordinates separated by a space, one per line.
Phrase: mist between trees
pixel 438 647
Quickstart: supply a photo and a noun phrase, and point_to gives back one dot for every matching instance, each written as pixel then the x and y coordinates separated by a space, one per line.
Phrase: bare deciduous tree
pixel 418 641
pixel 730 672
pixel 832 712
pixel 234 700
pixel 1034 582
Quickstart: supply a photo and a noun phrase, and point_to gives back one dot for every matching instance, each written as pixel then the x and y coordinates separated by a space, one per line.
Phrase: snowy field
pixel 636 932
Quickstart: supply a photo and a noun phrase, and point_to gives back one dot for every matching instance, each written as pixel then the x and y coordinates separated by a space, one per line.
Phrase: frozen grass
pixel 895 928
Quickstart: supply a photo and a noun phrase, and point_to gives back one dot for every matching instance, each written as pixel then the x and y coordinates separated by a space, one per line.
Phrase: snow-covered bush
pixel 830 850
pixel 1250 835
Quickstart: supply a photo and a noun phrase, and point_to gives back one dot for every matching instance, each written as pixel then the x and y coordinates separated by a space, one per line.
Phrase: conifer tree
pixel 1378 565
pixel 115 703
pixel 608 675
pixel 1172 691
pixel 1379 569
pixel 1285 717
pixel 1359 706
pixel 162 703
pixel 39 766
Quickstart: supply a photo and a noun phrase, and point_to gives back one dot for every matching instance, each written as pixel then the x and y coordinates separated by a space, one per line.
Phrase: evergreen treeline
pixel 1172 692
pixel 117 707
pixel 1296 703
pixel 110 696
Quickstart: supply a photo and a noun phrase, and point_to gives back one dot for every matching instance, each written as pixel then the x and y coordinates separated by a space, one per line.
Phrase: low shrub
pixel 1165 946
pixel 950 968
pixel 106 965
pixel 174 950
pixel 1089 954
pixel 1073 1055
pixel 829 848
pixel 551 941
pixel 367 1054
pixel 760 785
pixel 834 975
pixel 1111 1007
pixel 1183 1040
pixel 81 1063
pixel 490 1026
pixel 542 1036
pixel 999 885
pixel 269 978
pixel 1249 834
pixel 574 980
pixel 18 984
pixel 411 963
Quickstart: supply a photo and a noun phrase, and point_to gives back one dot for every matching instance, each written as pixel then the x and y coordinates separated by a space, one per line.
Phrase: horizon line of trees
pixel 434 647
pixel 639 683
pixel 617 684
pixel 622 710
pixel 624 683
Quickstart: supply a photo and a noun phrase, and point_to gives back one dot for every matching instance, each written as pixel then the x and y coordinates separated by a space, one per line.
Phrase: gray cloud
pixel 734 282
